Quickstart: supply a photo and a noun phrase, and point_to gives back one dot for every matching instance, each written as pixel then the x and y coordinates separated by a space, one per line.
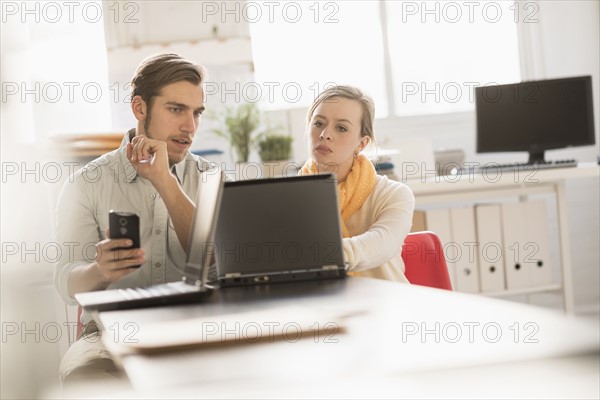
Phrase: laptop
pixel 193 287
pixel 279 230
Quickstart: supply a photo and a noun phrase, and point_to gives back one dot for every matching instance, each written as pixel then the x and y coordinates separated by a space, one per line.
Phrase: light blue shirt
pixel 111 183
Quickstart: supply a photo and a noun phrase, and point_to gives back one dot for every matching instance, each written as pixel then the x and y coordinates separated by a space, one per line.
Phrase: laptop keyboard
pixel 156 291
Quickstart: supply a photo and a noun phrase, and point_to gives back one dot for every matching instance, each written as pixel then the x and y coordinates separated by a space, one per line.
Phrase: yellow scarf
pixel 353 192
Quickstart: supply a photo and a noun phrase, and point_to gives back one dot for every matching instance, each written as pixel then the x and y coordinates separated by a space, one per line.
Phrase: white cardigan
pixel 378 230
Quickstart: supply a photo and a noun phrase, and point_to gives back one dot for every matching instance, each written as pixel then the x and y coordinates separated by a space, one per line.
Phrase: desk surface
pixel 424 183
pixel 393 332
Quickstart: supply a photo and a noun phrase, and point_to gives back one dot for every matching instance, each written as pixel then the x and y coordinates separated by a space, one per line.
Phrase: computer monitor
pixel 535 116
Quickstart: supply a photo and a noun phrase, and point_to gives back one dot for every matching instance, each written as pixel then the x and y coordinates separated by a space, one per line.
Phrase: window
pixel 440 50
pixel 308 45
pixel 55 72
pixel 412 57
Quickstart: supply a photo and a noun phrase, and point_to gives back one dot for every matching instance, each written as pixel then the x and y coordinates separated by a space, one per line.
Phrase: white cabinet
pixel 464 245
pixel 502 188
pixel 488 220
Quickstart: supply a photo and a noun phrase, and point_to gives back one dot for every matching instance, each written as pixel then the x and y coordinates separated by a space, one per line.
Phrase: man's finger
pixel 127 263
pixel 114 244
pixel 127 254
pixel 143 150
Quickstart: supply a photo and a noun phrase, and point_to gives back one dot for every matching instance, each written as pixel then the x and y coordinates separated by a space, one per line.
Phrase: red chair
pixel 423 256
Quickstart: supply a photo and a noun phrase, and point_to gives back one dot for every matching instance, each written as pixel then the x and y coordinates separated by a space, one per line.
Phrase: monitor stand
pixel 536 157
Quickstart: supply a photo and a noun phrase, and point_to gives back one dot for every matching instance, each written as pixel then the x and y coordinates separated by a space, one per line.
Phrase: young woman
pixel 376 213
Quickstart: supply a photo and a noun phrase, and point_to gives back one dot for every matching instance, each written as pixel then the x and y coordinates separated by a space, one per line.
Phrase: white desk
pixel 403 341
pixel 429 189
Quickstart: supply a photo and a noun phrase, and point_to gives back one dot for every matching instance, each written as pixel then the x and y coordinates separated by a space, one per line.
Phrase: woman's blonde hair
pixel 351 93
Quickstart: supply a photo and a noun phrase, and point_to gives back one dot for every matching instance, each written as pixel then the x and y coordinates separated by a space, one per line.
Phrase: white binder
pixel 536 248
pixel 464 241
pixel 438 222
pixel 514 238
pixel 488 222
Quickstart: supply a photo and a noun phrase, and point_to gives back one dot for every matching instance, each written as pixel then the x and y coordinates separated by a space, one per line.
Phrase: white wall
pixel 570 36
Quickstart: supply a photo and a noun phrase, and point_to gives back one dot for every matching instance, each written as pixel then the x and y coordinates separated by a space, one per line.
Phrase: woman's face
pixel 335 134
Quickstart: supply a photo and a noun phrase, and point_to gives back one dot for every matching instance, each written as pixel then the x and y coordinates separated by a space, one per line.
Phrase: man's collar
pixel 177 170
pixel 130 172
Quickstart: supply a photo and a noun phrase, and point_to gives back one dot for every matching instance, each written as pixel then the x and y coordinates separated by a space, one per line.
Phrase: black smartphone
pixel 124 225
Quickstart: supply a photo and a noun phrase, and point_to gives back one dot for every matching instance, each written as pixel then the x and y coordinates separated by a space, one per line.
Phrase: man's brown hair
pixel 161 70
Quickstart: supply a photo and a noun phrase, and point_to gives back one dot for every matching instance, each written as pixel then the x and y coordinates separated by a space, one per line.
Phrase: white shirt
pixel 378 230
pixel 111 183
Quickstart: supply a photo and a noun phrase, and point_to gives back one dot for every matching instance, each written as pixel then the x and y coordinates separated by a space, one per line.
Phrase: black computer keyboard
pixel 516 166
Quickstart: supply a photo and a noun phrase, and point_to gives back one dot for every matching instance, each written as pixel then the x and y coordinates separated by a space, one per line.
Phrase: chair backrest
pixel 423 256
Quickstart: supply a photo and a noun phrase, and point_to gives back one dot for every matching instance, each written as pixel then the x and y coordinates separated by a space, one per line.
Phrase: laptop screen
pixel 208 200
pixel 272 225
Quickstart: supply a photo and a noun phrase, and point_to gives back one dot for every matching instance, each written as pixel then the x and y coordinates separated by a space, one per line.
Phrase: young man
pixel 152 174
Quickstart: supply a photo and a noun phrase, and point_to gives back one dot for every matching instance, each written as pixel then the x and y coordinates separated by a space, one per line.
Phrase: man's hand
pixel 149 157
pixel 114 259
pixel 112 263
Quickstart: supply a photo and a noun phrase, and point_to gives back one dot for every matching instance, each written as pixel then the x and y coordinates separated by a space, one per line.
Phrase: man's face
pixel 174 117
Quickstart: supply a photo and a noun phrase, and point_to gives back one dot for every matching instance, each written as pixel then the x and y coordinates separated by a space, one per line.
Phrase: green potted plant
pixel 275 151
pixel 240 126
pixel 275 148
